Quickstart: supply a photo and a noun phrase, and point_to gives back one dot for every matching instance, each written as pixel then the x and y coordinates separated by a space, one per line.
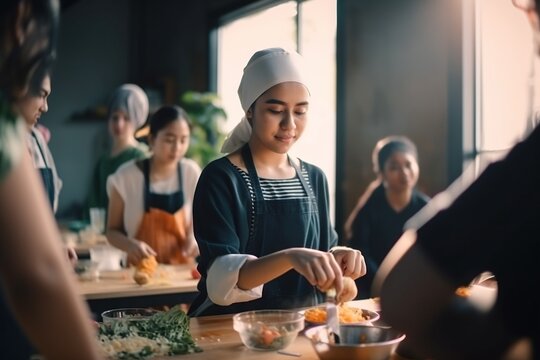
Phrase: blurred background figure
pixel 32 107
pixel 391 199
pixel 39 303
pixel 491 226
pixel 128 110
pixel 150 200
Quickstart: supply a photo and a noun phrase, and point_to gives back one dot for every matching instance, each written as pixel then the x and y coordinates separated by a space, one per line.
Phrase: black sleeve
pixel 493 223
pixel 220 214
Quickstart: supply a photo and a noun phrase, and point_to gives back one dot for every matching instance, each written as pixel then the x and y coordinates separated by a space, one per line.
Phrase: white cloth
pixel 223 277
pixel 128 181
pixel 41 162
pixel 132 100
pixel 265 69
pixel 237 137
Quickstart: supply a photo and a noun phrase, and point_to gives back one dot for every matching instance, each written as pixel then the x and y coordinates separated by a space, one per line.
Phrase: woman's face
pixel 120 126
pixel 400 172
pixel 278 117
pixel 32 106
pixel 171 143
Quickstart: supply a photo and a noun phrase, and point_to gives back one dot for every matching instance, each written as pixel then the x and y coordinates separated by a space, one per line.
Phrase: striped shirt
pixel 278 189
pixel 275 189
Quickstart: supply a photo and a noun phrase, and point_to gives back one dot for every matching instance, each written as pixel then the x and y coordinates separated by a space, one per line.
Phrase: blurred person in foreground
pixel 38 287
pixel 376 223
pixel 491 226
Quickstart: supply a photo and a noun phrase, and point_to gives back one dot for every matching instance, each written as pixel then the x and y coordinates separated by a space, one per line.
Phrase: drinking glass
pixel 97 220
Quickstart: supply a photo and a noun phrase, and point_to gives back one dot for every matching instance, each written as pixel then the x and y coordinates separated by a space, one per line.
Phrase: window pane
pixel 318 45
pixel 238 40
pixel 276 27
pixel 504 57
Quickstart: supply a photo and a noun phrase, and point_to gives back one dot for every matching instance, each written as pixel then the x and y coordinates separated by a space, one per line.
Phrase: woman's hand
pixel 139 250
pixel 318 267
pixel 72 256
pixel 349 290
pixel 351 261
pixel 190 249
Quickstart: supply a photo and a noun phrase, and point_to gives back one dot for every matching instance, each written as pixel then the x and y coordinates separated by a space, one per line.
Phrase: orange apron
pixel 164 225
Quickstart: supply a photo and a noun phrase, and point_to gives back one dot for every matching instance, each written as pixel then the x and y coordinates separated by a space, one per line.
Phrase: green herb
pixel 169 328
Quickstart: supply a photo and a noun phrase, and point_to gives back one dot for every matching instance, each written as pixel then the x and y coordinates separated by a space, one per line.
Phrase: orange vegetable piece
pixel 148 265
pixel 145 269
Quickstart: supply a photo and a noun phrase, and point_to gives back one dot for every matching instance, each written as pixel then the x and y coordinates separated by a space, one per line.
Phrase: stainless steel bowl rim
pixel 364 345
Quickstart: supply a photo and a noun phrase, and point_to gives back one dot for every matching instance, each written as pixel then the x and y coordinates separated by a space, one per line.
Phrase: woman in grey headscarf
pixel 261 218
pixel 128 110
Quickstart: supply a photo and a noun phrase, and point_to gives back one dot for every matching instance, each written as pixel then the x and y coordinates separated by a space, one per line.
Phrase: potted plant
pixel 207 116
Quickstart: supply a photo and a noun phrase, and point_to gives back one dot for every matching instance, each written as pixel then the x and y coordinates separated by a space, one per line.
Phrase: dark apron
pixel 15 345
pixel 163 225
pixel 46 175
pixel 279 224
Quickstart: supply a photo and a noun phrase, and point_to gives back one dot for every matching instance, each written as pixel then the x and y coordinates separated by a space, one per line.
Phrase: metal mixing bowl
pixel 358 342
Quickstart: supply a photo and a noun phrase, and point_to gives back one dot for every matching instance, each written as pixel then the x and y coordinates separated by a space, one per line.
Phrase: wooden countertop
pixel 216 336
pixel 170 279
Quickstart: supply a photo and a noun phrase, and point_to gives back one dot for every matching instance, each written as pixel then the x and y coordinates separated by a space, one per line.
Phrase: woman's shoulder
pixel 220 173
pixel 127 169
pixel 221 164
pixel 420 197
pixel 190 164
pixel 127 176
pixel 376 197
pixel 141 149
pixel 137 151
pixel 310 168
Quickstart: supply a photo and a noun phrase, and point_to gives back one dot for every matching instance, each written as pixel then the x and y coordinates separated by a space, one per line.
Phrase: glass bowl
pixel 268 330
pixel 87 270
pixel 127 314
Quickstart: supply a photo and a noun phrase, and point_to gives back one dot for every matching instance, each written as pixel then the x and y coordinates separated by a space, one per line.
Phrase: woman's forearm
pixel 36 277
pixel 262 270
pixel 119 239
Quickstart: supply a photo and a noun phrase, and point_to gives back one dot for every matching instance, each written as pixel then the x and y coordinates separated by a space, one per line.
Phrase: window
pixel 503 64
pixel 310 28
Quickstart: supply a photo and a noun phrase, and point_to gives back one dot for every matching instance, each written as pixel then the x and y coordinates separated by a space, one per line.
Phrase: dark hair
pixel 23 65
pixel 166 115
pixel 388 146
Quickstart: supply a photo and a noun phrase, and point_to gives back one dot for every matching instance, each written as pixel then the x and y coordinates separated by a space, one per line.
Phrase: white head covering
pixel 265 69
pixel 132 100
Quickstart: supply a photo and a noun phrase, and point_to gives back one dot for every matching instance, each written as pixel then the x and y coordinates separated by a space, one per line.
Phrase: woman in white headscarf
pixel 261 218
pixel 128 110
